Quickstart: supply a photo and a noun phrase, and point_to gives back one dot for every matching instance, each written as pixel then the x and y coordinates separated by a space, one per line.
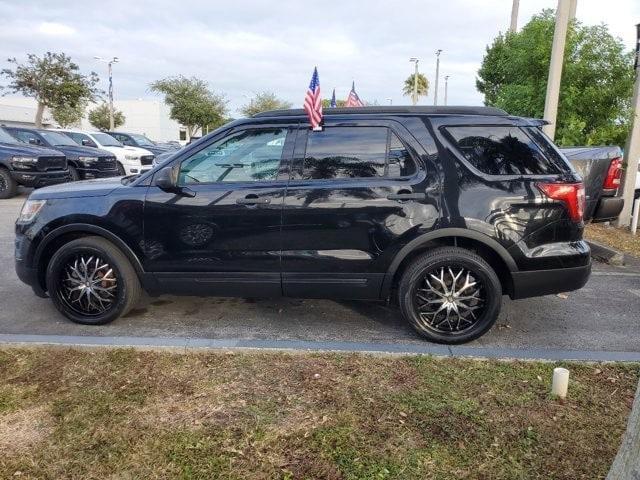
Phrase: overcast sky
pixel 247 46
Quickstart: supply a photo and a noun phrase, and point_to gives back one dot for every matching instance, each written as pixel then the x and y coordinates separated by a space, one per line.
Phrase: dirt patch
pixel 24 429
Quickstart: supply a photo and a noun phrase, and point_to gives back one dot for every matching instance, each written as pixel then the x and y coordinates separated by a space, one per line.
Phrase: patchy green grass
pixel 618 238
pixel 132 414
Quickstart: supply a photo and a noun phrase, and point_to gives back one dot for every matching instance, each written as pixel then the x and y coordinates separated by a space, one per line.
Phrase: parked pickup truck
pixel 601 170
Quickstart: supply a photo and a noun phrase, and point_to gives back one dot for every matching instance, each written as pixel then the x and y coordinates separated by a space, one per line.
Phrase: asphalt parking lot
pixel 603 316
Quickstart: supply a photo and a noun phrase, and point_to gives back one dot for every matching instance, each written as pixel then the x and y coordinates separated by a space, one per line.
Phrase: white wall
pixel 21 111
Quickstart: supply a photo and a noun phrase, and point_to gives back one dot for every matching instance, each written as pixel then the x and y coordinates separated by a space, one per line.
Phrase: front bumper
pixel 536 283
pixel 40 179
pixel 87 173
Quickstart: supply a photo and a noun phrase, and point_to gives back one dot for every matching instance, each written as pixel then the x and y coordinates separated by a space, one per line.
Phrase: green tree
pixel 263 102
pixel 326 103
pixel 423 86
pixel 597 80
pixel 53 80
pixel 99 117
pixel 67 116
pixel 192 103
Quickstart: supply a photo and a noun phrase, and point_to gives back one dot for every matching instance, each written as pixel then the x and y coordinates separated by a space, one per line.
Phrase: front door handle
pixel 406 196
pixel 253 200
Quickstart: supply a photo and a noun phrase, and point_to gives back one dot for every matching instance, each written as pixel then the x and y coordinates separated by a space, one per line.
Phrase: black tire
pixel 418 299
pixel 74 176
pixel 8 186
pixel 122 280
pixel 121 171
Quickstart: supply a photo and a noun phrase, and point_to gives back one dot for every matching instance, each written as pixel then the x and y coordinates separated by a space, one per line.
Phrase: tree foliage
pixel 326 103
pixel 68 116
pixel 423 86
pixel 263 102
pixel 597 80
pixel 53 80
pixel 192 103
pixel 99 117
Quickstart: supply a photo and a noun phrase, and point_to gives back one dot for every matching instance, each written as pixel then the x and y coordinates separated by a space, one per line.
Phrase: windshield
pixel 5 137
pixel 57 139
pixel 142 140
pixel 106 140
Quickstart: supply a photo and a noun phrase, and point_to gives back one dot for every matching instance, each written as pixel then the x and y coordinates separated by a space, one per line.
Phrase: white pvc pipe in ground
pixel 634 217
pixel 560 383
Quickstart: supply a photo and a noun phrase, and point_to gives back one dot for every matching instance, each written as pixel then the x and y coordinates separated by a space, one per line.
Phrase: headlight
pixel 23 162
pixel 132 157
pixel 30 209
pixel 87 160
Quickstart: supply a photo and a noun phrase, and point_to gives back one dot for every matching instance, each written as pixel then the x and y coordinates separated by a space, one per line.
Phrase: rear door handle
pixel 253 200
pixel 406 196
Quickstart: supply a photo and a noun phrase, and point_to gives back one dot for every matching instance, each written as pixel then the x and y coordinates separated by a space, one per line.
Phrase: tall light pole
pixel 555 67
pixel 435 90
pixel 446 88
pixel 109 63
pixel 514 16
pixel 414 97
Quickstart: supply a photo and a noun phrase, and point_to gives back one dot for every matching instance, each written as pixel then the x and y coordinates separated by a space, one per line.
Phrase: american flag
pixel 354 99
pixel 313 102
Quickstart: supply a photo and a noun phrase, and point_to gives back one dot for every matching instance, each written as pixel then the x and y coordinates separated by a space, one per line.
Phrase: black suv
pixel 84 162
pixel 28 166
pixel 138 140
pixel 440 209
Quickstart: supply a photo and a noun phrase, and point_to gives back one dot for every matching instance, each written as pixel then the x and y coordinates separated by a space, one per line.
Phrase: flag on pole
pixel 313 102
pixel 333 99
pixel 354 100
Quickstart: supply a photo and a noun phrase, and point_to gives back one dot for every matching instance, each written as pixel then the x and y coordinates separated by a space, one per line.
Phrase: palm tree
pixel 423 86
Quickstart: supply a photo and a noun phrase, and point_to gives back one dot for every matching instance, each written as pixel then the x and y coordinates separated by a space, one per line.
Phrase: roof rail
pixel 391 110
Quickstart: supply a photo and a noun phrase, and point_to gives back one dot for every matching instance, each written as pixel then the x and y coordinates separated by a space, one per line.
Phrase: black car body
pixel 28 165
pixel 84 162
pixel 441 209
pixel 138 140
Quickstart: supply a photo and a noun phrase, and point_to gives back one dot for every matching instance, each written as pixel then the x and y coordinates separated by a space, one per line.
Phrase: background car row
pixel 38 157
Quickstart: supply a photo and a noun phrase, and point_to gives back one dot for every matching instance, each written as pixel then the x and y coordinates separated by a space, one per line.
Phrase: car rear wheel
pixel 8 186
pixel 91 281
pixel 450 295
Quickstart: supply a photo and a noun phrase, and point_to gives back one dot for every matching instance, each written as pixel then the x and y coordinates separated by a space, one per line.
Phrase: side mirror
pixel 33 141
pixel 87 143
pixel 167 179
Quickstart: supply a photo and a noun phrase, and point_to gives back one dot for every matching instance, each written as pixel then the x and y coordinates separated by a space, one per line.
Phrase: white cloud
pixel 56 29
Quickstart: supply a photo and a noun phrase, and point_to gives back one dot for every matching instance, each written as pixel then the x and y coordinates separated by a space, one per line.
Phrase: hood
pixel 82 151
pixel 26 149
pixel 98 187
pixel 159 149
pixel 136 150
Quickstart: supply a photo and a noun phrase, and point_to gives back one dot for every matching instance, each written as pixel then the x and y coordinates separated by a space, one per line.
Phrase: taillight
pixel 571 194
pixel 612 181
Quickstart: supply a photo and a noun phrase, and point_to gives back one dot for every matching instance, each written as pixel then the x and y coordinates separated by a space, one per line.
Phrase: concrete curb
pixel 606 254
pixel 186 344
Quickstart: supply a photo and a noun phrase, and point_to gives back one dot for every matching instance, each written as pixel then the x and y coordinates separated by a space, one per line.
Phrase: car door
pixel 357 188
pixel 222 234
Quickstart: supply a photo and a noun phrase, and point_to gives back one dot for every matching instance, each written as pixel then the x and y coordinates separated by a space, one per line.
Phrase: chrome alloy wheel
pixel 88 285
pixel 449 299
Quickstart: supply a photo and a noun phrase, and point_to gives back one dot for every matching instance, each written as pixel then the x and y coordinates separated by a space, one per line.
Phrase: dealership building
pixel 149 117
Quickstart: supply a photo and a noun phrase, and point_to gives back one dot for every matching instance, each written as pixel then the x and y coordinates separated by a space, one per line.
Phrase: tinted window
pixel 346 152
pixel 57 139
pixel 106 140
pixel 249 156
pixel 503 151
pixel 27 137
pixel 400 162
pixel 78 137
pixel 5 137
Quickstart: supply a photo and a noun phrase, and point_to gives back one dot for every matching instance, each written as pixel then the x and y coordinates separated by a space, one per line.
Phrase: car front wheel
pixel 450 295
pixel 91 281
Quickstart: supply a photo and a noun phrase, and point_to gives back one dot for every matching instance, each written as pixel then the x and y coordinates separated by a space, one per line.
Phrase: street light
pixel 414 97
pixel 109 63
pixel 435 91
pixel 446 88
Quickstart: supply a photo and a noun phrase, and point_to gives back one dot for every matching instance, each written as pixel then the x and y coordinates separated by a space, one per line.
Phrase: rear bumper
pixel 608 208
pixel 40 179
pixel 536 283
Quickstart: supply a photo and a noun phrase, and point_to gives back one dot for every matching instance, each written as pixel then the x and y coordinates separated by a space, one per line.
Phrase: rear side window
pixel 355 152
pixel 497 150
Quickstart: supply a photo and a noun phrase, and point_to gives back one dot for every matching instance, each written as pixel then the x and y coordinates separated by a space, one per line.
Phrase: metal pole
pixel 415 84
pixel 111 124
pixel 435 90
pixel 555 67
pixel 634 217
pixel 446 88
pixel 514 16
pixel 632 148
